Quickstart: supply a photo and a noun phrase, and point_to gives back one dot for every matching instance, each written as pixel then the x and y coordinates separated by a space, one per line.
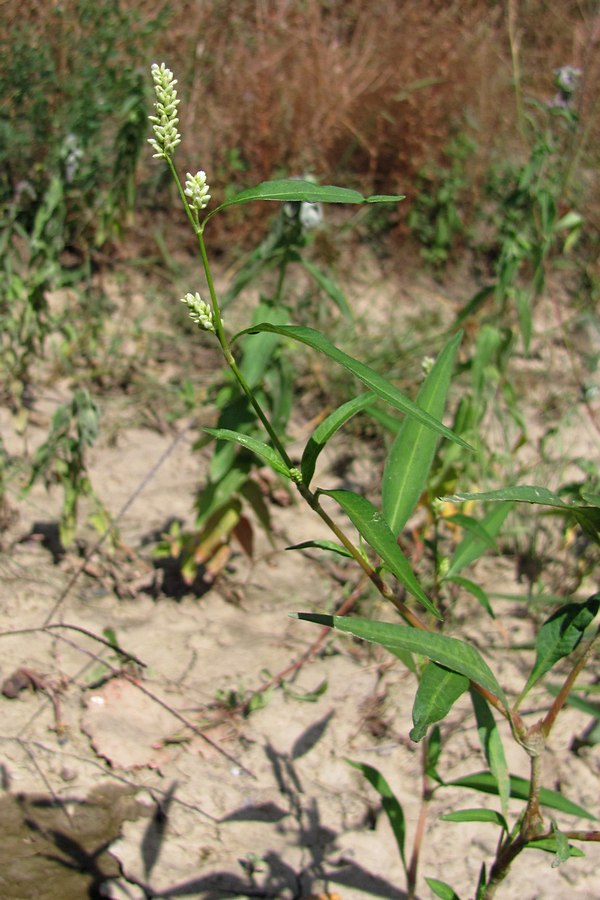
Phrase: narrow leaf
pixel 412 452
pixel 551 845
pixel 296 190
pixel 441 889
pixel 390 804
pixel 447 651
pixel 327 428
pixel 491 742
pixel 330 287
pixel 472 545
pixel 476 815
pixel 438 690
pixel 368 376
pixel 376 532
pixel 521 493
pixel 322 544
pixel 258 447
pixel 560 635
pixel 477 592
pixel 519 789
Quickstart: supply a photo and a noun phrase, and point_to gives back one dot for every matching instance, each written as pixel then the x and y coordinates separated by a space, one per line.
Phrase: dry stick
pixel 141 486
pixel 119 673
pixel 152 789
pixel 57 800
pixel 95 637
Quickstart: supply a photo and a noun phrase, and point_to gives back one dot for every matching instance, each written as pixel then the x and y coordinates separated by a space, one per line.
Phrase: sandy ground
pixel 146 761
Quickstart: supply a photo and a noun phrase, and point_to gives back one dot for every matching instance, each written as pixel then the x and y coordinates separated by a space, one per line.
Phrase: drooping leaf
pixel 491 742
pixel 560 635
pixel 411 454
pixel 327 428
pixel 438 690
pixel 441 889
pixel 368 376
pixel 476 815
pixel 376 532
pixel 296 190
pixel 447 651
pixel 519 789
pixel 261 449
pixel 322 544
pixel 472 545
pixel 391 806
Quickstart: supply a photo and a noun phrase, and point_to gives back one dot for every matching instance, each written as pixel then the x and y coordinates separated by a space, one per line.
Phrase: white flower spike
pixel 197 190
pixel 166 137
pixel 200 312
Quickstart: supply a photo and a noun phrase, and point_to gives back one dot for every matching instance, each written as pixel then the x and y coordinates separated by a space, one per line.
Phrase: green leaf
pixel 217 493
pixel 476 815
pixel 257 357
pixel 560 635
pixel 326 429
pixel 472 545
pixel 296 190
pixel 412 452
pixel 261 449
pixel 434 751
pixel 491 742
pixel 587 517
pixel 519 789
pixel 473 526
pixel 447 651
pixel 368 376
pixel 551 845
pixel 441 889
pixel 390 804
pixel 376 532
pixel 477 592
pixel 438 690
pixel 330 287
pixel 322 545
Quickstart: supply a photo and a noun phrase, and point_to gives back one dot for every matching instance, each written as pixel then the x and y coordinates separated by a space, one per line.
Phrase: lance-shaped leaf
pixel 560 635
pixel 442 889
pixel 519 788
pixel 258 447
pixel 477 592
pixel 491 742
pixel 322 544
pixel 438 690
pixel 476 815
pixel 296 190
pixel 376 532
pixel 391 806
pixel 328 286
pixel 473 544
pixel 587 517
pixel 368 376
pixel 447 651
pixel 411 454
pixel 326 429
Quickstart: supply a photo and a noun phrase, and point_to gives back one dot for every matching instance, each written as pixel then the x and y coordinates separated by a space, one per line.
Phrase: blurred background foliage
pixel 365 94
